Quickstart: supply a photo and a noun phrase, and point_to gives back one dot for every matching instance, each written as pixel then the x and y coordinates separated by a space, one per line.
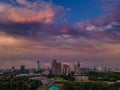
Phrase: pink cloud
pixel 64 30
pixel 24 2
pixel 46 64
pixel 111 12
pixel 81 25
pixel 67 63
pixel 43 13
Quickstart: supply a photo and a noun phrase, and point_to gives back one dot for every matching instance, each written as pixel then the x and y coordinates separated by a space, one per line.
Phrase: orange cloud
pixel 43 13
pixel 16 49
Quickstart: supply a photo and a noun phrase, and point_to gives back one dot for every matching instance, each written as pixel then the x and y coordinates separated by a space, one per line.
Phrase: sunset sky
pixel 66 30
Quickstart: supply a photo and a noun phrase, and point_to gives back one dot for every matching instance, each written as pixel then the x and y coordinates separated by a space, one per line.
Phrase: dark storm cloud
pixel 35 30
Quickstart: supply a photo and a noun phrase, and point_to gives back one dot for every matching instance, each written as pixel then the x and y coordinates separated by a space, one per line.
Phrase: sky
pixel 66 30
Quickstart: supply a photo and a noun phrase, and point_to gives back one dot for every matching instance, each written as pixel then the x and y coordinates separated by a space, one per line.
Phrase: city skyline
pixel 68 31
pixel 72 65
pixel 59 68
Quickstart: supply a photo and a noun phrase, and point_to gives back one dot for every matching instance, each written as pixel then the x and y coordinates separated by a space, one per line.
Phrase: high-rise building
pixel 65 69
pixel 13 68
pixel 78 64
pixel 22 69
pixel 38 65
pixel 56 67
pixel 99 68
pixel 77 68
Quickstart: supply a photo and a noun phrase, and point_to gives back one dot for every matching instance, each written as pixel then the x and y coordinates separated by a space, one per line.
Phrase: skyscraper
pixel 77 69
pixel 78 64
pixel 22 69
pixel 65 69
pixel 38 65
pixel 56 67
pixel 13 68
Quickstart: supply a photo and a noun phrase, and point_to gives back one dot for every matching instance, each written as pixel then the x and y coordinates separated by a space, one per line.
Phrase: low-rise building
pixel 81 78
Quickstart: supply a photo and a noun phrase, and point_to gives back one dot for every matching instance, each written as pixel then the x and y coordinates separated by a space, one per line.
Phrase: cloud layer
pixel 32 30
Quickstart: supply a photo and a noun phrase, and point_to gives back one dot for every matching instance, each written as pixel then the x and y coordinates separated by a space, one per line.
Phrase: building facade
pixel 65 69
pixel 56 67
pixel 77 68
